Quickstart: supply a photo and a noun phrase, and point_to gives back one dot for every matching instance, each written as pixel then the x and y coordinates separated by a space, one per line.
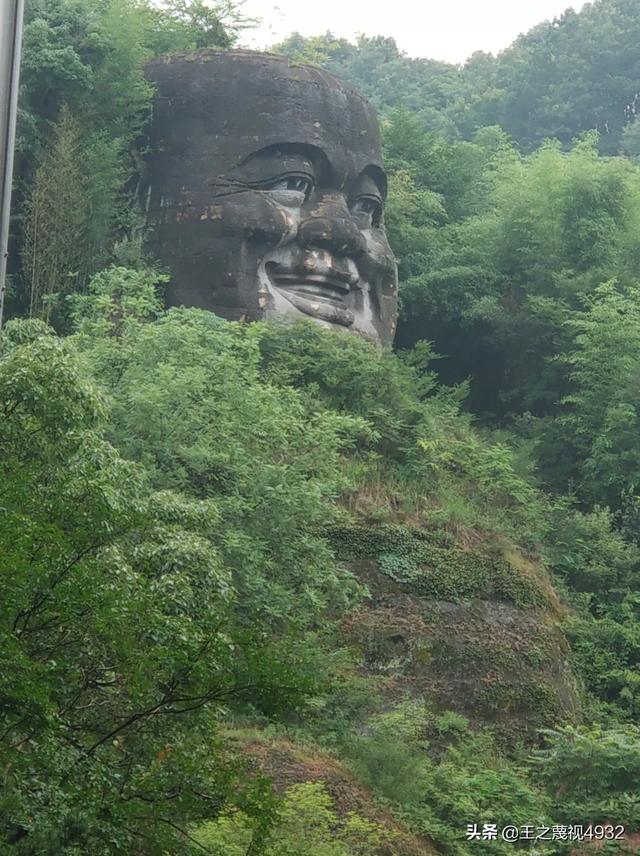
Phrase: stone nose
pixel 330 226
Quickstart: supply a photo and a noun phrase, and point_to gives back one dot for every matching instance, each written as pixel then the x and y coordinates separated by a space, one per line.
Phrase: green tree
pixel 307 823
pixel 116 625
pixel 597 771
pixel 493 273
pixel 600 414
pixel 56 213
pixel 187 25
pixel 188 404
pixel 578 72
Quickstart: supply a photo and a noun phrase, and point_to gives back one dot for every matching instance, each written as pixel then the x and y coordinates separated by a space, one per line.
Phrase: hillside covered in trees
pixel 271 590
pixel 578 73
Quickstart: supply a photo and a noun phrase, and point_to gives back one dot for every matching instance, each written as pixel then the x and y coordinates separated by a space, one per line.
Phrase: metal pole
pixel 11 16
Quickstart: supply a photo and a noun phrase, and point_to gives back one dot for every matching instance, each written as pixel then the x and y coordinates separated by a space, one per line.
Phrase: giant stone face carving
pixel 266 192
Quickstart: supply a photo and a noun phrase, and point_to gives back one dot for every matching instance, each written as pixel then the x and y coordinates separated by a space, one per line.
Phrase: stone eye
pixel 294 183
pixel 371 209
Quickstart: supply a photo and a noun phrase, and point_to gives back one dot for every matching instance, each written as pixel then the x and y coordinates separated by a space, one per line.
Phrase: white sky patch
pixel 449 30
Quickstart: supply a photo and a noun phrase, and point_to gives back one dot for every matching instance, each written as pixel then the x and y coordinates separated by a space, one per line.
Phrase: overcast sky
pixel 448 30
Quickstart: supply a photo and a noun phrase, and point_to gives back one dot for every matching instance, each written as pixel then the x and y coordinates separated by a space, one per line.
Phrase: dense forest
pixel 271 590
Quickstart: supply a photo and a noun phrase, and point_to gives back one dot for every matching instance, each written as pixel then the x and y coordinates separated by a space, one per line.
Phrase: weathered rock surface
pixel 476 634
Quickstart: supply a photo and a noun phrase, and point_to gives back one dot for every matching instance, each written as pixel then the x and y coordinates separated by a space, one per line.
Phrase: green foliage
pixel 450 724
pixel 189 555
pixel 89 55
pixel 85 55
pixel 187 402
pixel 84 101
pixel 606 653
pixel 589 553
pixel 495 286
pixel 341 373
pixel 390 767
pixel 418 443
pixel 440 789
pixel 600 413
pixel 117 300
pixel 54 247
pixel 219 506
pixel 472 780
pixel 307 820
pixel 597 771
pixel 116 625
pixel 497 250
pixel 188 25
pixel 576 73
pixel 502 259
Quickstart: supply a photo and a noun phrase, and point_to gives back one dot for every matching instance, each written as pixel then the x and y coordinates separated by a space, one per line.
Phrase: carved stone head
pixel 266 192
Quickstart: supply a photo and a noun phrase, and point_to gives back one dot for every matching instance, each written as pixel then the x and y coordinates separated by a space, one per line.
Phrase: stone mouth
pixel 321 296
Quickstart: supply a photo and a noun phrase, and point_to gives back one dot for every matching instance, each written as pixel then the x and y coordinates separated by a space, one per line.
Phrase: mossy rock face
pixel 472 633
pixel 422 564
